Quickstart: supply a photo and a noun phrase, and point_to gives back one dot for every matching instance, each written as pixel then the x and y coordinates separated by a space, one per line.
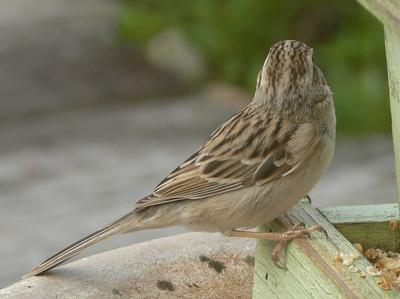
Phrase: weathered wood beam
pixel 366 224
pixel 361 213
pixel 392 44
pixel 312 271
pixel 386 11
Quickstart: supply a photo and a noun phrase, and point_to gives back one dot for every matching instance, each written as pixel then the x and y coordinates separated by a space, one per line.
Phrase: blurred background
pixel 100 99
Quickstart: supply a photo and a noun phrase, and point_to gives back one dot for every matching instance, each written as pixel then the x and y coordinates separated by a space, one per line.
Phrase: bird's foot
pixel 297 231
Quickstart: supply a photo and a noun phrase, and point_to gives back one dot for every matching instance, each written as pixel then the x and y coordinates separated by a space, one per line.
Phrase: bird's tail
pixel 72 250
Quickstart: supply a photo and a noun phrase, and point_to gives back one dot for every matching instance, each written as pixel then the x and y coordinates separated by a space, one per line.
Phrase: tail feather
pixel 77 247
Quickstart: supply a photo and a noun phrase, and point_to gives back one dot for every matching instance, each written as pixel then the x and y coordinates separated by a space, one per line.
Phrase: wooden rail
pixel 312 271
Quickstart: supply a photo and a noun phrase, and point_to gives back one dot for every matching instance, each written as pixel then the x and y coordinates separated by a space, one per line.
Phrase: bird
pixel 252 168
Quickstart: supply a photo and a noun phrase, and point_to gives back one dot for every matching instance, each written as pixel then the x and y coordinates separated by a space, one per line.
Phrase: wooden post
pixel 392 43
pixel 388 12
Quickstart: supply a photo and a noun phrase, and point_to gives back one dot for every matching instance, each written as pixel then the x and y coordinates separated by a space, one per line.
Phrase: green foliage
pixel 235 35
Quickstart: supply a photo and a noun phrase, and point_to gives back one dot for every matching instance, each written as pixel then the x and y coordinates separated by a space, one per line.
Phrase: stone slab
pixel 193 265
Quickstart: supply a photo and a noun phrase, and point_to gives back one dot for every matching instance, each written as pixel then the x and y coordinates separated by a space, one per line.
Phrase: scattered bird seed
pixel 338 257
pixel 347 260
pixel 353 269
pixel 384 284
pixel 359 247
pixel 371 270
pixel 394 225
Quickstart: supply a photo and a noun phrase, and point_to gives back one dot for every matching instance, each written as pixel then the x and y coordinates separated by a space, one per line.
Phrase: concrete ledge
pixel 193 265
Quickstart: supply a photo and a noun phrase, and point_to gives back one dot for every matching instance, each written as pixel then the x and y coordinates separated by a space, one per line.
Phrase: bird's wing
pixel 249 149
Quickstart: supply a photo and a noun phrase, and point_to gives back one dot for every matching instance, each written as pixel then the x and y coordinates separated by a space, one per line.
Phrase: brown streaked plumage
pixel 253 168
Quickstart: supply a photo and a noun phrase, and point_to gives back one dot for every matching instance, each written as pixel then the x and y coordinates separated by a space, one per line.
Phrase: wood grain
pixel 312 271
pixel 386 11
pixel 392 44
pixel 366 224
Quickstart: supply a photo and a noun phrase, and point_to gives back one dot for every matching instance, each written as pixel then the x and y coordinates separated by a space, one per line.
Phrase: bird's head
pixel 289 71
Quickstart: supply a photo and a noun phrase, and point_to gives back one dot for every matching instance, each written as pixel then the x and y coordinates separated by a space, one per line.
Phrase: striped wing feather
pixel 244 151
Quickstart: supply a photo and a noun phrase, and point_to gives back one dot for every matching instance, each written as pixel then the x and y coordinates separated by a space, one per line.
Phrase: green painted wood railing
pixel 388 12
pixel 392 41
pixel 366 224
pixel 312 271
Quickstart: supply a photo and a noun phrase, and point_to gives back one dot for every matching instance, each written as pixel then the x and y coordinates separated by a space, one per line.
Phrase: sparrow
pixel 252 169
